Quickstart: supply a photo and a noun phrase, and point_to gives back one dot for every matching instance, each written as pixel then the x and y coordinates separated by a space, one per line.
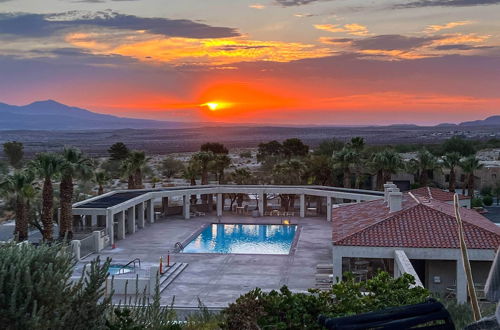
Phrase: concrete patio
pixel 218 279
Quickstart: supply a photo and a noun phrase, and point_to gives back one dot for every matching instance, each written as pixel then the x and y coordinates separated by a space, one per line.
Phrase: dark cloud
pixel 290 3
pixel 392 42
pixel 447 3
pixel 42 25
pixel 338 40
pixel 461 47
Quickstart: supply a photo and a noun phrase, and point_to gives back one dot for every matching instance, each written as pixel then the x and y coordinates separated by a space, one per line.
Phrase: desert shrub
pixel 488 190
pixel 487 200
pixel 476 202
pixel 286 310
pixel 36 291
pixel 246 154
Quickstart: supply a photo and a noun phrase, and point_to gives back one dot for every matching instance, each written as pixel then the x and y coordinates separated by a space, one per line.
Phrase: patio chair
pixel 427 315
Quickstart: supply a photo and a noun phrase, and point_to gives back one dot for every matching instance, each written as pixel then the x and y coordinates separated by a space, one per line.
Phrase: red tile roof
pixel 436 193
pixel 422 223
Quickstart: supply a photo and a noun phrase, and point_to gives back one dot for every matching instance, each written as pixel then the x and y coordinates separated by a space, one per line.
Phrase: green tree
pixel 459 145
pixel 272 148
pixel 357 143
pixel 215 147
pixel 14 151
pixel 20 187
pixel 47 167
pixel 328 147
pixel 385 163
pixel 118 151
pixel 75 166
pixel 170 167
pixel 470 165
pixel 423 164
pixel 295 148
pixel 133 167
pixel 101 178
pixel 220 163
pixel 345 159
pixel 319 170
pixel 204 160
pixel 451 161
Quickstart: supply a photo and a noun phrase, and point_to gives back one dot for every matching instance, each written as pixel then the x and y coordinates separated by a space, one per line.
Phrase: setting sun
pixel 216 105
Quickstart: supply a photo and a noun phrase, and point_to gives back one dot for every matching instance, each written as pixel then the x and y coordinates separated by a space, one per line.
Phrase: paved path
pixel 218 279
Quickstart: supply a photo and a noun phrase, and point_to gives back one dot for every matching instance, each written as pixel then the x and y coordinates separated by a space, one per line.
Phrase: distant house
pixel 413 232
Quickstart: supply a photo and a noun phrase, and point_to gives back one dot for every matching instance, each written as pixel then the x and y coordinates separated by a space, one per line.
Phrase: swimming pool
pixel 243 238
pixel 116 269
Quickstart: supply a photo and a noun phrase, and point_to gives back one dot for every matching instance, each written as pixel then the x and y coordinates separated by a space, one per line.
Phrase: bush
pixel 488 190
pixel 36 291
pixel 246 154
pixel 476 202
pixel 488 200
pixel 286 310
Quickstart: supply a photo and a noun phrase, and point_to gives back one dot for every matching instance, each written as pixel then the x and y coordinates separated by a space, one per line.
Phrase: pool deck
pixel 218 279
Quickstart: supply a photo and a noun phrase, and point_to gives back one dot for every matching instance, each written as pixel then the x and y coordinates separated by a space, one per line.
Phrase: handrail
pixel 178 246
pixel 130 262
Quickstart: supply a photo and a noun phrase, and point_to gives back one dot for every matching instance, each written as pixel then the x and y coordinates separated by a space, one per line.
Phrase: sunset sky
pixel 327 62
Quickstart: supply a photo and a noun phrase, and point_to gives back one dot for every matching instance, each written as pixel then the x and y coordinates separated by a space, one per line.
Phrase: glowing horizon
pixel 290 62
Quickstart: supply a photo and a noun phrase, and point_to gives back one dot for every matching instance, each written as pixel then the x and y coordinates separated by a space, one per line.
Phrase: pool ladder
pixel 178 246
pixel 129 263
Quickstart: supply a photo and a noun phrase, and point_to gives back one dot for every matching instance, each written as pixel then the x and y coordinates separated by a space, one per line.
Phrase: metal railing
pixel 128 264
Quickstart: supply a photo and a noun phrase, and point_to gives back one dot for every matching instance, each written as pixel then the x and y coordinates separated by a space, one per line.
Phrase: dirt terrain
pixel 165 141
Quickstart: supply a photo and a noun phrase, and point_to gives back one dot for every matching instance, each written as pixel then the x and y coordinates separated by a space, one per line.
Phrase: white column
pixel 219 205
pixel 151 211
pixel 186 206
pixel 110 226
pixel 97 241
pixel 461 282
pixel 121 225
pixel 329 209
pixel 302 205
pixel 131 220
pixel 337 266
pixel 261 204
pixel 397 272
pixel 140 217
pixel 93 220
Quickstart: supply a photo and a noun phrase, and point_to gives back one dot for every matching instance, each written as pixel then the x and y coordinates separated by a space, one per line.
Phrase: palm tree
pixel 344 159
pixel 191 172
pixel 75 165
pixel 385 163
pixel 220 163
pixel 47 166
pixel 204 159
pixel 469 165
pixel 424 163
pixel 451 161
pixel 20 187
pixel 133 167
pixel 101 178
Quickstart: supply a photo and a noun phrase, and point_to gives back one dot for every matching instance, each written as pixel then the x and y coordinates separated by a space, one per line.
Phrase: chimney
pixel 395 201
pixel 387 189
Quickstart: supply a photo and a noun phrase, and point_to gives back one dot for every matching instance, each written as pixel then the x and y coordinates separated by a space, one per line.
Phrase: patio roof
pixel 436 193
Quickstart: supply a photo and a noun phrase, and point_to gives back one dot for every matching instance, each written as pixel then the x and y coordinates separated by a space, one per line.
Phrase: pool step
pixel 171 274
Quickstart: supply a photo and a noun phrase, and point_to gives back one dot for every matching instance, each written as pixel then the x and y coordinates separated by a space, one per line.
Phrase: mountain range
pixel 52 115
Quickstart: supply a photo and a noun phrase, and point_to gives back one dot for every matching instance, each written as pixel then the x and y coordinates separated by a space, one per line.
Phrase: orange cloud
pixel 257 6
pixel 450 25
pixel 181 51
pixel 353 29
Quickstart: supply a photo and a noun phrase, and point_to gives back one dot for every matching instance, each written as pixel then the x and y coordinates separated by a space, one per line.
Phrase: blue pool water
pixel 243 238
pixel 119 269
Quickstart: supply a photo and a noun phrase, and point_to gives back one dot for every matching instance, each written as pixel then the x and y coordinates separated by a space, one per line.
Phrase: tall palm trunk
pixel 347 178
pixel 47 201
pixel 131 182
pixel 21 228
pixel 424 178
pixel 138 179
pixel 470 185
pixel 66 222
pixel 379 180
pixel 453 180
pixel 100 191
